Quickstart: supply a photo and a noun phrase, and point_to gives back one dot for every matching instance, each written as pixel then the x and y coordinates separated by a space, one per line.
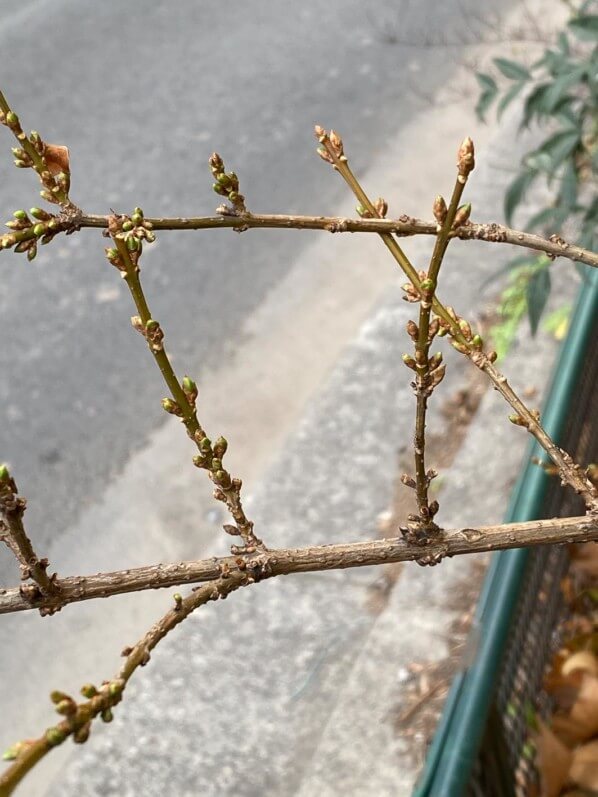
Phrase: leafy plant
pixel 562 98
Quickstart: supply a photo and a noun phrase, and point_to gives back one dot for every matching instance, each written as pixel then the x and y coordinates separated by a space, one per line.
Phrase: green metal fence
pixel 479 749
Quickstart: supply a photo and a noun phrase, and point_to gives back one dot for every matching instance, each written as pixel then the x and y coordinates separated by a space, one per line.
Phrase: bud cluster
pixel 28 232
pixel 226 183
pixel 50 161
pixel 474 341
pixel 151 331
pixel 332 145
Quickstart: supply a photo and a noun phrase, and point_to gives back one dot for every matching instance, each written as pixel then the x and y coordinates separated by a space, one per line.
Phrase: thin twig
pixel 128 234
pixel 276 562
pixel 463 340
pixel 403 226
pixel 79 716
pixel 12 532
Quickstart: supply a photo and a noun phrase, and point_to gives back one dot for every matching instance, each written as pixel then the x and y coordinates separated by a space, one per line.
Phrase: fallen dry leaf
pixel 584 767
pixel 582 660
pixel 581 723
pixel 553 760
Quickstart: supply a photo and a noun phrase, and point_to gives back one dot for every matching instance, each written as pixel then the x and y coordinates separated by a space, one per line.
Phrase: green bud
pixel 67 707
pixel 136 218
pixel 39 230
pixel 138 212
pixel 127 226
pixel 216 463
pixel 12 753
pixel 223 179
pixel 219 189
pixel 189 385
pixel 57 697
pixel 199 461
pixel 171 407
pixel 427 285
pixel 4 474
pixel 12 120
pixel 205 444
pixel 107 715
pixel 132 244
pixel 40 214
pixel 115 688
pixel 178 600
pixel 220 447
pixel 233 196
pixel 477 342
pixel 222 478
pixel 55 736
pixel 20 215
pixel 89 691
pixel 150 237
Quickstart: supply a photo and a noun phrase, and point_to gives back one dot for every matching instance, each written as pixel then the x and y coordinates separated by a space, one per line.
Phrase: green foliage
pixel 527 292
pixel 562 97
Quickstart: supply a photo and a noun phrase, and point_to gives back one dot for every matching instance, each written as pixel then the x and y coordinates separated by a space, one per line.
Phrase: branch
pixel 12 532
pixel 276 562
pixel 128 234
pixel 79 716
pixel 403 226
pixel 463 340
pixel 428 370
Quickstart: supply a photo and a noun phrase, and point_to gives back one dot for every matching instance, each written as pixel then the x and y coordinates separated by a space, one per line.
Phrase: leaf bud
pixel 12 120
pixel 439 209
pixel 115 688
pixel 171 407
pixel 408 481
pixel 40 214
pixel 461 347
pixel 178 600
pixel 132 243
pixel 381 206
pixel 412 330
pixel 67 707
pixel 220 447
pixel 31 253
pixel 107 715
pixel 199 461
pixel 492 356
pixel 216 463
pixel 20 215
pixel 205 444
pixel 477 342
pixel 435 361
pixel 465 159
pixel 189 389
pixel 39 230
pixel 465 328
pixel 409 361
pixel 55 736
pixel 127 226
pixel 462 215
pixel 89 691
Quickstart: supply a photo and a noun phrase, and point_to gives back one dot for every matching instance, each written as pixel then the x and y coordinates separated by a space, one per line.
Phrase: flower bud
pixel 20 215
pixel 55 736
pixel 127 226
pixel 171 407
pixel 107 715
pixel 220 447
pixel 89 691
pixel 409 361
pixel 40 214
pixel 439 209
pixel 462 215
